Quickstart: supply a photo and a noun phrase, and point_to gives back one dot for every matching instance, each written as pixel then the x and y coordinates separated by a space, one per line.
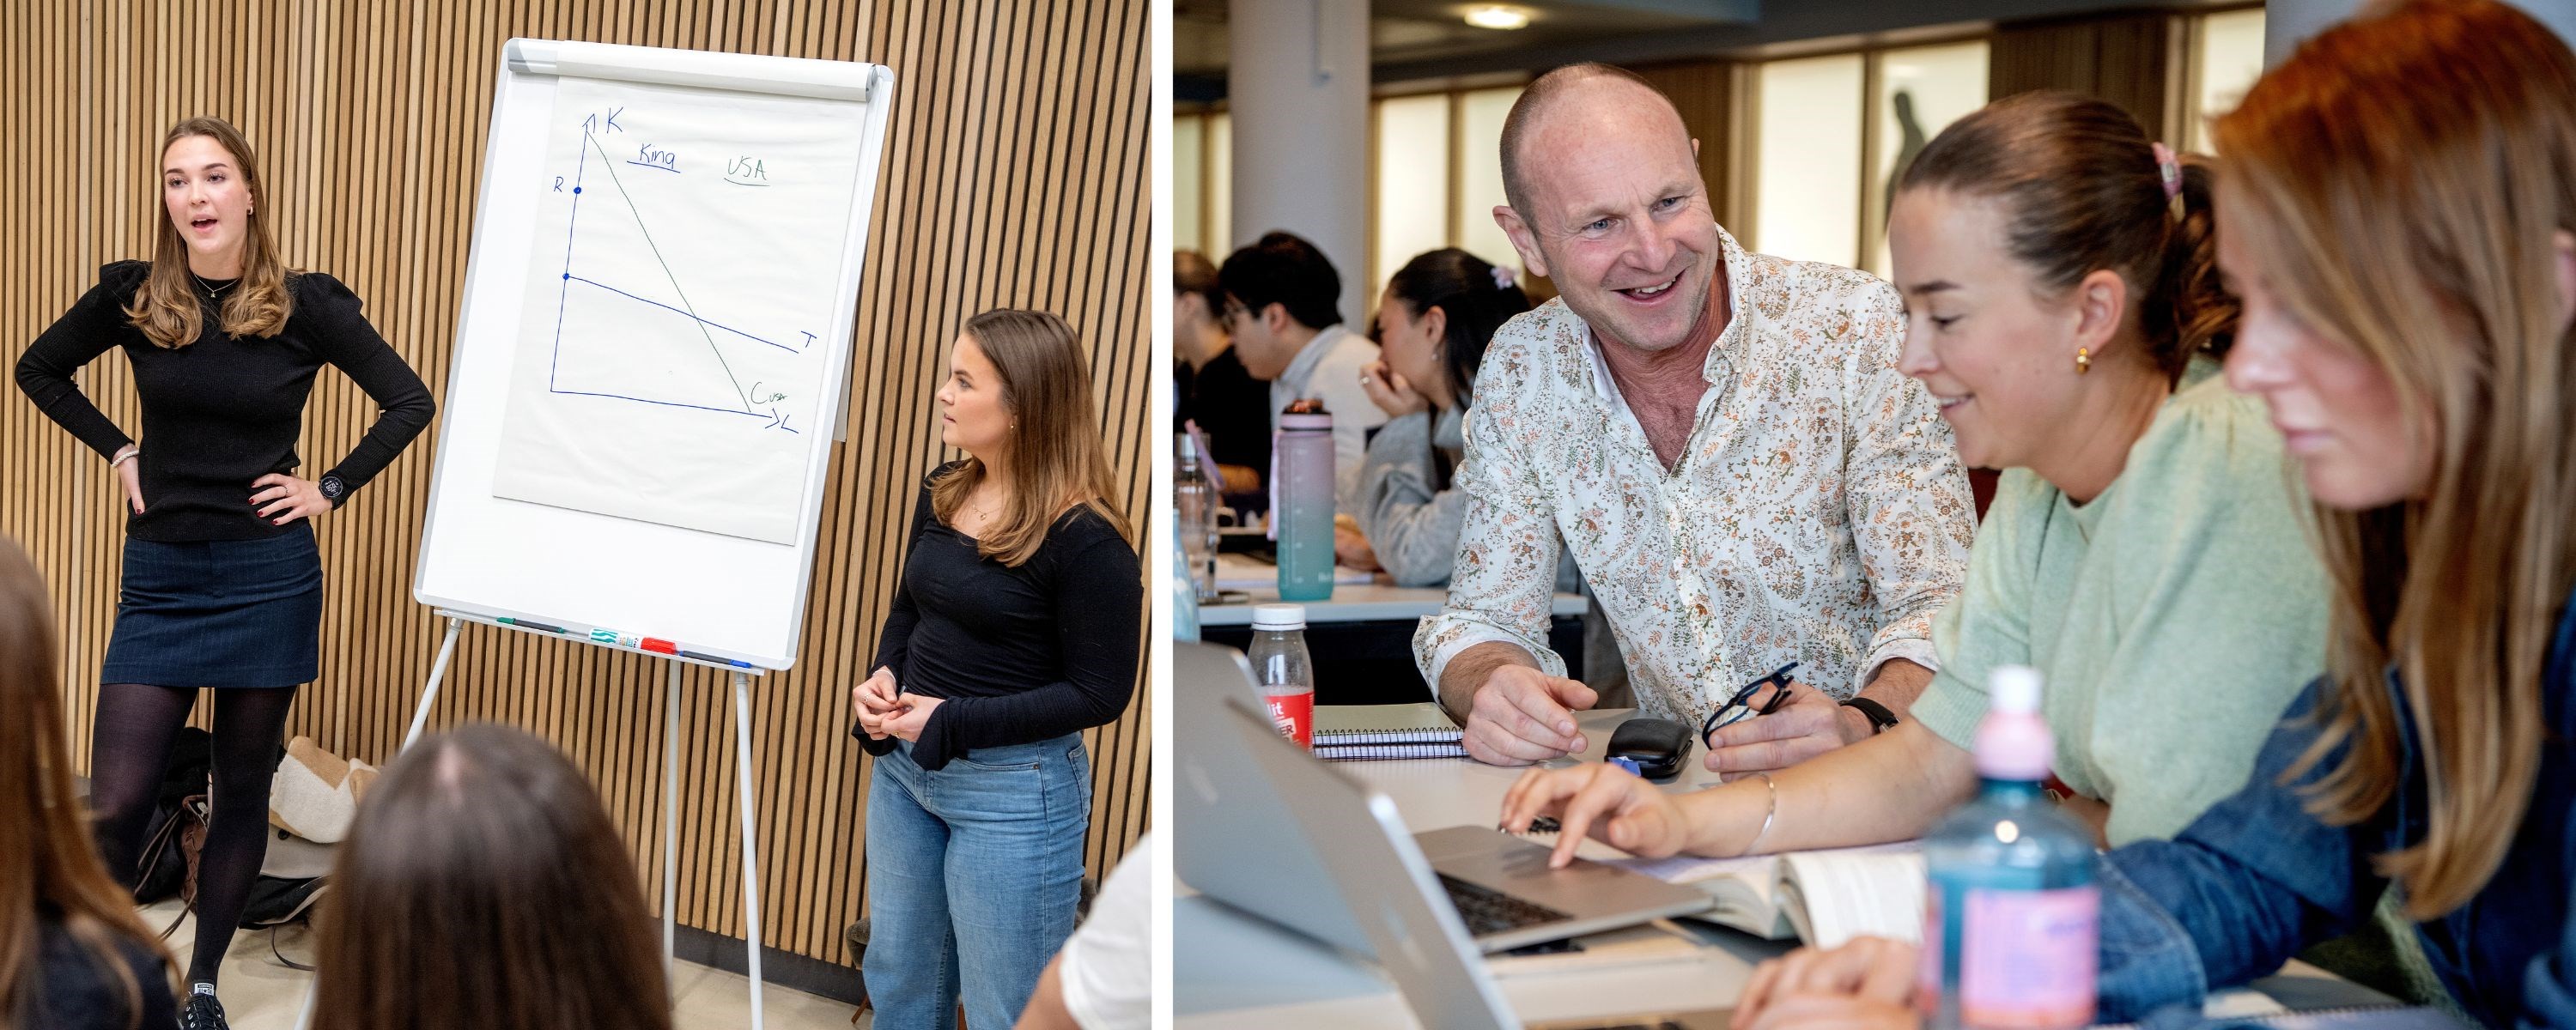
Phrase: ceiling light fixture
pixel 1498 17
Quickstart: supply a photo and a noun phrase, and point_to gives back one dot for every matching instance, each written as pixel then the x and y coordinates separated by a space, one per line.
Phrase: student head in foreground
pixel 2398 213
pixel 1815 513
pixel 73 954
pixel 482 885
pixel 1015 628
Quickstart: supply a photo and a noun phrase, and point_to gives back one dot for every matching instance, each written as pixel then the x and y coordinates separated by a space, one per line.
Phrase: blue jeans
pixel 974 875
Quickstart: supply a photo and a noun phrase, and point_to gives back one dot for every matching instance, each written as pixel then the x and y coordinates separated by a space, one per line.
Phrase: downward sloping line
pixel 608 164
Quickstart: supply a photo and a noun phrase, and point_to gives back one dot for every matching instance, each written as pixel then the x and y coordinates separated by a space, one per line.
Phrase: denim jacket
pixel 2257 878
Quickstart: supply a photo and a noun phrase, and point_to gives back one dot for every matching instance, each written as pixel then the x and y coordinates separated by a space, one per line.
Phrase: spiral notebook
pixel 1349 725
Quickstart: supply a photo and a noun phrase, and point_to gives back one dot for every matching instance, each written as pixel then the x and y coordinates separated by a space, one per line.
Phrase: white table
pixel 1373 601
pixel 1235 972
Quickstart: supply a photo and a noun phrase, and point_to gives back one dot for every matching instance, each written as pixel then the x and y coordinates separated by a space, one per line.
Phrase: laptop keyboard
pixel 1488 911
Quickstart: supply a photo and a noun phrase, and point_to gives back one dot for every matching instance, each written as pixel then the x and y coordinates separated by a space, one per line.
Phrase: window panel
pixel 1921 90
pixel 1807 181
pixel 1412 184
pixel 2230 59
pixel 1480 175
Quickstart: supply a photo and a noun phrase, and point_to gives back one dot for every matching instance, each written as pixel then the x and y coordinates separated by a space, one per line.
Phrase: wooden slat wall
pixel 2133 60
pixel 1015 175
pixel 1706 94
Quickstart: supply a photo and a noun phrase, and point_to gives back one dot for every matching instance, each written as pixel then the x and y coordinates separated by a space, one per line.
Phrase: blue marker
pixel 719 661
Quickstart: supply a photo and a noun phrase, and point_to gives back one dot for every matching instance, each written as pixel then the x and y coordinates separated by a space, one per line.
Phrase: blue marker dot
pixel 576 189
pixel 567 275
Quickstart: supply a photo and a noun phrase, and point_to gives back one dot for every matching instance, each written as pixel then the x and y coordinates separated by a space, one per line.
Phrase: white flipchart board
pixel 655 343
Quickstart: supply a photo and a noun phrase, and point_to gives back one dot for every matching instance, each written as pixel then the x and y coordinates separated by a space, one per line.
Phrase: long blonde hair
pixel 53 868
pixel 2402 179
pixel 1055 456
pixel 166 308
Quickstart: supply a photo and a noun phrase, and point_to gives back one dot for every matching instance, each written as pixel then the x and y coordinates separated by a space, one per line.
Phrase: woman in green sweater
pixel 2141 551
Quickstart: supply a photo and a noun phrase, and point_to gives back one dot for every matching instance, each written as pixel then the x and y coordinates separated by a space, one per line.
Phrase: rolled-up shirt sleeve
pixel 1504 577
pixel 1910 510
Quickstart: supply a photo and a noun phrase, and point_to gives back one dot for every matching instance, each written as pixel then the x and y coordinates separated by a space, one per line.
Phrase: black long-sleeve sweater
pixel 1015 655
pixel 223 411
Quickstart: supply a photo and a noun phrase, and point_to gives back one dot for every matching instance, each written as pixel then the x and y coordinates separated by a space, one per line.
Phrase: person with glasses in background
pixel 1282 300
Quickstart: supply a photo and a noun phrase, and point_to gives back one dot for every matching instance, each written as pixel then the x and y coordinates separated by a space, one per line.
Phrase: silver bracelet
pixel 125 456
pixel 1767 813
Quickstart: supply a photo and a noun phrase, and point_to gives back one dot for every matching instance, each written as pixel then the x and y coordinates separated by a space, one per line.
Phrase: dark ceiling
pixel 1412 40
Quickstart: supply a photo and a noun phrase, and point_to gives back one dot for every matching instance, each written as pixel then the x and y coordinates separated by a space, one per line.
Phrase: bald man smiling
pixel 1720 438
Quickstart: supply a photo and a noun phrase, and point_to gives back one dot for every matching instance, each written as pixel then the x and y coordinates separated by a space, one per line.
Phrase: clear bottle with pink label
pixel 2010 928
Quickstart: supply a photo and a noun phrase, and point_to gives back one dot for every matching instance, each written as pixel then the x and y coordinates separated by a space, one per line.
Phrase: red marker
pixel 659 646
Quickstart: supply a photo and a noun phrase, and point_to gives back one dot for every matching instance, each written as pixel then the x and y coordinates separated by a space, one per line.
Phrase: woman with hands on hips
pixel 1014 629
pixel 222 581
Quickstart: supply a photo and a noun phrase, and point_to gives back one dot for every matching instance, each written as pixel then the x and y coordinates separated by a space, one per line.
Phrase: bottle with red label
pixel 1284 669
pixel 2011 927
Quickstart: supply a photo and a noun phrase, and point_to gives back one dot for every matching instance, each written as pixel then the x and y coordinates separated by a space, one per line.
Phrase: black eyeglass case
pixel 1658 746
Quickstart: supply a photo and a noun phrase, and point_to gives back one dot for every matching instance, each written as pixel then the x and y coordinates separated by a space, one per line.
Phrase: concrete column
pixel 1297 85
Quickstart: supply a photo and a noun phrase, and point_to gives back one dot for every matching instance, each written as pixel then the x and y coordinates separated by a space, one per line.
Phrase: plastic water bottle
pixel 1285 670
pixel 1195 500
pixel 2012 912
pixel 1185 595
pixel 1301 504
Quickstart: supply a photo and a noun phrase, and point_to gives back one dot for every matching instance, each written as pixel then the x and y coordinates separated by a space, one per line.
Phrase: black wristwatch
pixel 332 489
pixel 1879 717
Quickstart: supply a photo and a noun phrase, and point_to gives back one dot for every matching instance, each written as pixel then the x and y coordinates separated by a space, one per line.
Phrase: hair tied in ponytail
pixel 1505 278
pixel 2168 170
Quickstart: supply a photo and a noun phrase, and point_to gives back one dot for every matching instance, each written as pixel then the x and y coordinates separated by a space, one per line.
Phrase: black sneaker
pixel 203 1013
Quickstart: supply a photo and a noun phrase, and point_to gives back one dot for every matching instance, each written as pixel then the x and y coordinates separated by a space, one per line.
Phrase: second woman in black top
pixel 1015 629
pixel 222 581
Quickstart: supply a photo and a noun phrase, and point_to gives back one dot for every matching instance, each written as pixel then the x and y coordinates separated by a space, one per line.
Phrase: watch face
pixel 332 488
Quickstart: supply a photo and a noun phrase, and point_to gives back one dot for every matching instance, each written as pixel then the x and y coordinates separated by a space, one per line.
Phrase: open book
pixel 1821 897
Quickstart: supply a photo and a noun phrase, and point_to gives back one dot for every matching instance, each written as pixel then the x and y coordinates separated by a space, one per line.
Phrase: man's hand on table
pixel 1868 982
pixel 1810 723
pixel 1522 715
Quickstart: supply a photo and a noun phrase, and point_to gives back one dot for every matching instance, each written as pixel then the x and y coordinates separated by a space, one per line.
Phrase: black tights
pixel 129 755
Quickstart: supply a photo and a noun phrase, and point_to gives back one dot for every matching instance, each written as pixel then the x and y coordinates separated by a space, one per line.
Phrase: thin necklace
pixel 210 289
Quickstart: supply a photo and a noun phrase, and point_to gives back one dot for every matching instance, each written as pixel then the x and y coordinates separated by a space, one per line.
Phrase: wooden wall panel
pixel 1015 175
pixel 2133 60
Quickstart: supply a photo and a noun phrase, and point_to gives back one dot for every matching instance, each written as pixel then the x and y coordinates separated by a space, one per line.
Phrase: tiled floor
pixel 261 994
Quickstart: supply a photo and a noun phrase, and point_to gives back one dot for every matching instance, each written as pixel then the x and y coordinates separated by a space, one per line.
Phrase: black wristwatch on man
pixel 1879 717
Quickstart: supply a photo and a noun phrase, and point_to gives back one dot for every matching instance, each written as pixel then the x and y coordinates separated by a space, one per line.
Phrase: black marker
pixel 524 624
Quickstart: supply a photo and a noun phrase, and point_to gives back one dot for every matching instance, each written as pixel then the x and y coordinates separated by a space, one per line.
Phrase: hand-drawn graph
pixel 688 246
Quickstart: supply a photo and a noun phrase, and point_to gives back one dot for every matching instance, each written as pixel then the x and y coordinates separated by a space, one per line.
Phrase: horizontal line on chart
pixel 666 404
pixel 681 311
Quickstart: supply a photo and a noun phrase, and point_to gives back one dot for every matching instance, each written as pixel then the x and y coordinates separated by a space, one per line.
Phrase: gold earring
pixel 2083 360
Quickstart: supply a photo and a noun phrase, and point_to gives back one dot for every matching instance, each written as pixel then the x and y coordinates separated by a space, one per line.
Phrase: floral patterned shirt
pixel 1818 513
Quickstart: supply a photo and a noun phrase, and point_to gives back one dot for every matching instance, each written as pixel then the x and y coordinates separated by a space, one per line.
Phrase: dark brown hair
pixel 2081 188
pixel 1056 459
pixel 53 870
pixel 2399 182
pixel 482 885
pixel 166 308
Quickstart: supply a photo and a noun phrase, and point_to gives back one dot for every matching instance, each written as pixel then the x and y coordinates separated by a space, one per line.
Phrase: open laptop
pixel 1254 807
